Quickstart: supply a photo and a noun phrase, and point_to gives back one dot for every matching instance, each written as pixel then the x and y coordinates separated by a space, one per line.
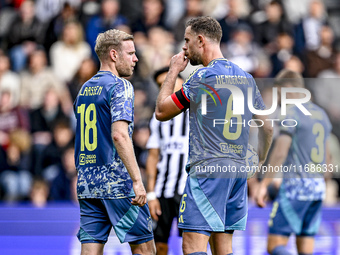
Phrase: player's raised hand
pixel 179 61
pixel 261 196
pixel 155 208
pixel 140 198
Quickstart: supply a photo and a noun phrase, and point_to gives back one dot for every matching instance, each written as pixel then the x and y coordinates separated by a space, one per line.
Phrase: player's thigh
pixel 305 244
pixel 205 207
pixel 92 249
pixel 311 218
pixel 147 248
pixel 95 225
pixel 221 243
pixel 131 223
pixel 279 222
pixel 276 240
pixel 194 242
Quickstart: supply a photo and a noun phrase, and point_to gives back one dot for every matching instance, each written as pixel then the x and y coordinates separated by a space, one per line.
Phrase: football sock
pixel 305 254
pixel 280 250
pixel 230 254
pixel 198 253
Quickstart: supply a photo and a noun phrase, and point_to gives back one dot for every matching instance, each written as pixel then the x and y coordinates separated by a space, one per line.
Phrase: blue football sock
pixel 230 254
pixel 198 253
pixel 280 250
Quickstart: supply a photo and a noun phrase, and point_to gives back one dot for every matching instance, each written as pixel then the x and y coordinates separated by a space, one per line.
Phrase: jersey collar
pixel 215 60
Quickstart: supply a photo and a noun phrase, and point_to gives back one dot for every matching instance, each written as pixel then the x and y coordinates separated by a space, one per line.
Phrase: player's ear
pixel 201 40
pixel 113 55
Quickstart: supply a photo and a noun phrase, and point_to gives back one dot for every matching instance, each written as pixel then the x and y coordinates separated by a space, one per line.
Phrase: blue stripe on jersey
pixel 205 207
pixel 126 222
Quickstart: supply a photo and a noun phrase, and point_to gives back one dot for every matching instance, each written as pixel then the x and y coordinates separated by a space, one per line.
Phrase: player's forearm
pixel 151 169
pixel 166 90
pixel 277 158
pixel 124 147
pixel 265 137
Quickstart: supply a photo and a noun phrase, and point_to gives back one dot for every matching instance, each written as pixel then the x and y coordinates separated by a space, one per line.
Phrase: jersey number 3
pixel 90 127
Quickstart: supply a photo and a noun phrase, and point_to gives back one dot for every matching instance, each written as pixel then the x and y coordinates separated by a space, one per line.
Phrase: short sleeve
pixel 258 101
pixel 154 138
pixel 289 125
pixel 122 100
pixel 193 81
pixel 329 126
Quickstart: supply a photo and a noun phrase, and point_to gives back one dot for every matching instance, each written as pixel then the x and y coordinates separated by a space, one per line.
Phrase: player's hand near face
pixel 155 208
pixel 140 198
pixel 179 62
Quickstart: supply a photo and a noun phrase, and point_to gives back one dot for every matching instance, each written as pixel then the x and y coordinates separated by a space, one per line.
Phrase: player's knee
pixel 279 250
pixel 153 249
pixel 162 248
pixel 147 248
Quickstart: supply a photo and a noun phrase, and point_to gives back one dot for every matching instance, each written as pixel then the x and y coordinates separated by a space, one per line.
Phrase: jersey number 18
pixel 90 124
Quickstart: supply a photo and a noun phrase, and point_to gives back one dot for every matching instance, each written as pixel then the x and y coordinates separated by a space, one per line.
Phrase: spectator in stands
pixel 37 79
pixel 9 80
pixel 56 25
pixel 231 20
pixel 39 192
pixel 284 45
pixel 157 52
pixel 52 155
pixel 143 111
pixel 295 10
pixel 7 15
pixel 307 32
pixel 294 64
pixel 193 8
pixel 108 18
pixel 241 50
pixel 67 54
pixel 153 16
pixel 321 58
pixel 86 70
pixel 25 35
pixel 63 187
pixel 326 92
pixel 16 177
pixel 140 137
pixel 267 32
pixel 12 117
pixel 47 9
pixel 43 122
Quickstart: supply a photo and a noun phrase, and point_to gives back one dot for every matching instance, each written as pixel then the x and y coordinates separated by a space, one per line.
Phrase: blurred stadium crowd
pixel 46 54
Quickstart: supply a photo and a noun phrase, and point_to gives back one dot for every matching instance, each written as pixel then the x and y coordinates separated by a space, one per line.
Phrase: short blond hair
pixel 286 76
pixel 111 39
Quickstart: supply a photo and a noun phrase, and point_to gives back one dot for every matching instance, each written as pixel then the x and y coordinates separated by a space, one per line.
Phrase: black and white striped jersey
pixel 172 139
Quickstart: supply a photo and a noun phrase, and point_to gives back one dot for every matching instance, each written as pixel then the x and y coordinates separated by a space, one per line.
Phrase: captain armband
pixel 181 100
